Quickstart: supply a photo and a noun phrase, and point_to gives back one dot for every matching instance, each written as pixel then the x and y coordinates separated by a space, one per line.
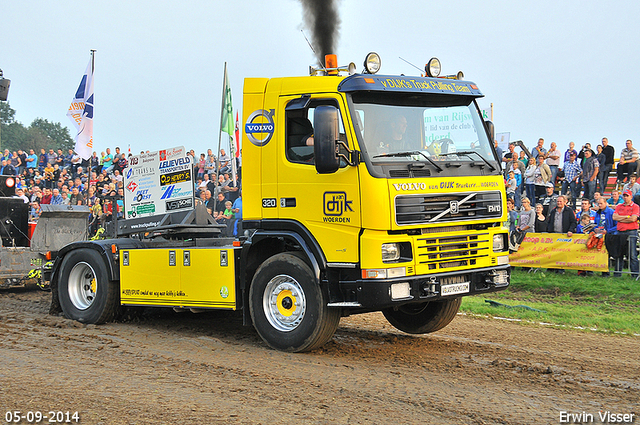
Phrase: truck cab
pixel 390 184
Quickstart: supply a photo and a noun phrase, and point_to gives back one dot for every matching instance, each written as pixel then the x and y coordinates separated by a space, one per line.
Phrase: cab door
pixel 327 205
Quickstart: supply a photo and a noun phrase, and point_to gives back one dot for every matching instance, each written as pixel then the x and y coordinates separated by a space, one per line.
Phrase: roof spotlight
pixel 372 63
pixel 432 68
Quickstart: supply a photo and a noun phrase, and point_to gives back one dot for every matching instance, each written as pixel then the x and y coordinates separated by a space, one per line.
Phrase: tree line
pixel 41 133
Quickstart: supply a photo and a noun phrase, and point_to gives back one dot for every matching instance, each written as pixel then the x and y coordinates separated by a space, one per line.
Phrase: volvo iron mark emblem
pixel 453 206
pixel 260 132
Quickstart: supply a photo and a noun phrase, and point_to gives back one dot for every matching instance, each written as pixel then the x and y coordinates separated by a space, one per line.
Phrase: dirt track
pixel 170 368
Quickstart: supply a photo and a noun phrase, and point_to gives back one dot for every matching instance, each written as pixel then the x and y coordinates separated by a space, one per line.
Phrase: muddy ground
pixel 183 368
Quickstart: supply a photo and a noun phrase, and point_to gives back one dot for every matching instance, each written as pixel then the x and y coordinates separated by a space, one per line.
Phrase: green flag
pixel 227 125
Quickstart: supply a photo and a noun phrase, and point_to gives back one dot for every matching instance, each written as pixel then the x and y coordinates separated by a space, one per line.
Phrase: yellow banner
pixel 558 251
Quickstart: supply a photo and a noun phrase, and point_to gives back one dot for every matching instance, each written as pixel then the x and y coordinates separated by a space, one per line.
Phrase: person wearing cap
pixel 626 214
pixel 548 200
pixel 590 170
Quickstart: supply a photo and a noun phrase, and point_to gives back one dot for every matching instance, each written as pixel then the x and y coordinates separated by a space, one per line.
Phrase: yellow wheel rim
pixel 284 303
pixel 281 303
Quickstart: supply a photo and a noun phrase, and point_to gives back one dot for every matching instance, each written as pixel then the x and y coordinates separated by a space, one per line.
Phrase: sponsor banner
pixel 179 204
pixel 558 251
pixel 175 177
pixel 158 182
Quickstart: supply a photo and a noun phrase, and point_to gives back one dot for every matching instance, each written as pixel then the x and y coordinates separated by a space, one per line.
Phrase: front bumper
pixel 377 294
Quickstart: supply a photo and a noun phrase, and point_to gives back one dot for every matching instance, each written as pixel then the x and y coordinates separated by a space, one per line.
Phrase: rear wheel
pixel 423 318
pixel 84 290
pixel 288 308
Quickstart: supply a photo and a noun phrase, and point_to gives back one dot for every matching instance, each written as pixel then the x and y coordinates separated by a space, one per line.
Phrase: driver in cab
pixel 396 139
pixel 398 130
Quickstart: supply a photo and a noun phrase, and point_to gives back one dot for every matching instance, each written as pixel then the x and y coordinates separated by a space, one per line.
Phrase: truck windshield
pixel 431 129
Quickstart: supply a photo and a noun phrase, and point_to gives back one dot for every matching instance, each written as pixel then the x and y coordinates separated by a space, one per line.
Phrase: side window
pixel 299 140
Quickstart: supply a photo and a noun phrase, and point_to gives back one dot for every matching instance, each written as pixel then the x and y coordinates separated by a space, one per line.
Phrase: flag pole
pixel 93 68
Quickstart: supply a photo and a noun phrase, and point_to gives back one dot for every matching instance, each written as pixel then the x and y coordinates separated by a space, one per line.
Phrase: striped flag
pixel 81 113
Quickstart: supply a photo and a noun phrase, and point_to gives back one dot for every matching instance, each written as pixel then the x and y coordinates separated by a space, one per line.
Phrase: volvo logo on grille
pixel 410 186
pixel 453 206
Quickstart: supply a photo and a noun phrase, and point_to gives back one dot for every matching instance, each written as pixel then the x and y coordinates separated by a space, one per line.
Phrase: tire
pixel 288 308
pixel 84 290
pixel 423 318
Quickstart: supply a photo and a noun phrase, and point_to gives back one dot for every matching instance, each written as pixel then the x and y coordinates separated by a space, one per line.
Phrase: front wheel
pixel 84 290
pixel 423 318
pixel 288 308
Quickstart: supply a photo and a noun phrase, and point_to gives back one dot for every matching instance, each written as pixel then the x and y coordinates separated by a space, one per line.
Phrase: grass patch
pixel 592 302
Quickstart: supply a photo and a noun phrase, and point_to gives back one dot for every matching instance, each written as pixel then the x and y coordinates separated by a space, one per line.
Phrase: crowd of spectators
pixel 57 178
pixel 576 174
pixel 580 205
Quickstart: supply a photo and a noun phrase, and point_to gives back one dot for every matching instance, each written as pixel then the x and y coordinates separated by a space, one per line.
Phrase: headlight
pixel 433 67
pixel 372 63
pixel 498 242
pixel 390 252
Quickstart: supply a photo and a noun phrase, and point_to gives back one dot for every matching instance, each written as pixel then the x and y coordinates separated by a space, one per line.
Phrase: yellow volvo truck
pixel 361 193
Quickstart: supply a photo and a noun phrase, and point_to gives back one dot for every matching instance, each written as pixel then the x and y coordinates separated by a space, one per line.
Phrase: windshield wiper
pixel 467 153
pixel 408 153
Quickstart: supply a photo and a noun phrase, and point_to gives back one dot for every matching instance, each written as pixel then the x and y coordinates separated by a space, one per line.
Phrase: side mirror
pixel 491 130
pixel 325 136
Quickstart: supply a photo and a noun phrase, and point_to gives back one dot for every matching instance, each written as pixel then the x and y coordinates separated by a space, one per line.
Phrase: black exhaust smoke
pixel 321 17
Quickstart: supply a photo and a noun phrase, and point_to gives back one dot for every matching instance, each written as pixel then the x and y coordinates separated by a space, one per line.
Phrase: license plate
pixel 454 288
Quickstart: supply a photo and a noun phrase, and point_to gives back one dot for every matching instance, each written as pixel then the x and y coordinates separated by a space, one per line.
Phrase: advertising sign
pixel 554 250
pixel 158 182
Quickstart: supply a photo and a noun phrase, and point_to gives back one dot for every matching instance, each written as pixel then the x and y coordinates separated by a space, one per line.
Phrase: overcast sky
pixel 561 70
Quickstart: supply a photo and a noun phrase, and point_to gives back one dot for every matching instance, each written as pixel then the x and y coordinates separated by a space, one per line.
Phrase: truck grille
pixel 446 252
pixel 410 173
pixel 439 208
